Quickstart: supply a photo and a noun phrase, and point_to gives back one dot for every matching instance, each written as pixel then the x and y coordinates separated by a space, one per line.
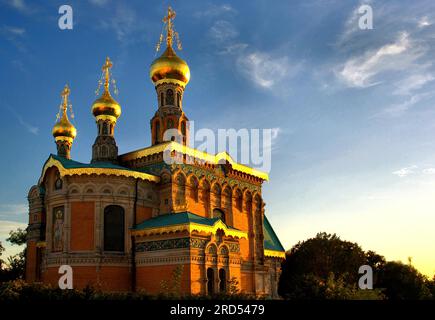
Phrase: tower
pixel 63 131
pixel 170 75
pixel 106 112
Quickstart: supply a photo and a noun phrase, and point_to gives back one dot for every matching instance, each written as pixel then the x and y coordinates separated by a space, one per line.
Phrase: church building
pixel 129 222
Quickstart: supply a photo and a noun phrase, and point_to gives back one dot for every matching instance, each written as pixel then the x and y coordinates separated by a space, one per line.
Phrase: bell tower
pixel 64 131
pixel 106 112
pixel 170 75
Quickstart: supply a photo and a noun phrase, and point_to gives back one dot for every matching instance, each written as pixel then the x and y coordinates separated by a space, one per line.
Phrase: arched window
pixel 170 124
pixel 104 151
pixel 161 99
pixel 178 99
pixel 239 202
pixel 105 129
pixel 181 189
pixel 113 228
pixel 193 188
pixel 169 96
pixel 58 182
pixel 183 128
pixel 222 280
pixel 210 281
pixel 156 131
pixel 218 213
pixel 216 190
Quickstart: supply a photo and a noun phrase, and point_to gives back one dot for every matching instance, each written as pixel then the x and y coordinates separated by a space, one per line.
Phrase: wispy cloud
pixel 99 3
pixel 15 35
pixel 13 31
pixel 21 6
pixel 265 70
pixel 412 83
pixel 424 22
pixel 215 10
pixel 30 128
pixel 400 108
pixel 429 171
pixel 362 71
pixel 223 31
pixel 12 210
pixel 404 172
pixel 124 22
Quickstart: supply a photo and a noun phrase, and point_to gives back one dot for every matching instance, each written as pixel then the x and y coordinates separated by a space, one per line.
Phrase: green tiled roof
pixel 71 164
pixel 171 219
pixel 271 241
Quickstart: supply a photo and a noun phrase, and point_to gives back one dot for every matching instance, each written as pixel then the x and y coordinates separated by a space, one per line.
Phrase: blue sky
pixel 352 110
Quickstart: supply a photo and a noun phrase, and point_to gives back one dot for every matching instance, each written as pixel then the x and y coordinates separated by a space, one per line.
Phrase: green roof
pixel 71 164
pixel 271 241
pixel 171 219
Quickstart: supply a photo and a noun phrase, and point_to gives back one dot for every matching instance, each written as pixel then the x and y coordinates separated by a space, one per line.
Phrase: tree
pixel 1 252
pixel 17 237
pixel 310 263
pixel 16 264
pixel 401 281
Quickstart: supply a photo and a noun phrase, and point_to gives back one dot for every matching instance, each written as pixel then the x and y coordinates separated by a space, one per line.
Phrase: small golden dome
pixel 64 128
pixel 169 67
pixel 106 106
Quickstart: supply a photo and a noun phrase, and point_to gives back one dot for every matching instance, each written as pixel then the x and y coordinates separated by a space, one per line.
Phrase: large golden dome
pixel 169 67
pixel 106 106
pixel 64 128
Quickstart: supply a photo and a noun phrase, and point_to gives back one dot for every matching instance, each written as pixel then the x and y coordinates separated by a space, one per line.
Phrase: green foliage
pixel 15 266
pixel 326 267
pixel 311 262
pixel 403 281
pixel 233 286
pixel 172 288
pixel 17 237
pixel 1 252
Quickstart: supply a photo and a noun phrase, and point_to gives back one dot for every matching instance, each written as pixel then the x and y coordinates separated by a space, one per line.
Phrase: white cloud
pixel 13 31
pixel 215 10
pixel 361 71
pixel 10 210
pixel 424 22
pixel 32 129
pixel 429 171
pixel 223 31
pixel 264 70
pixel 21 6
pixel 99 3
pixel 402 107
pixel 413 82
pixel 404 172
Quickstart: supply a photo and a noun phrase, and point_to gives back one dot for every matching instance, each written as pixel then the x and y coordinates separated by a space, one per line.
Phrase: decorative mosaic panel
pixel 234 247
pixel 171 244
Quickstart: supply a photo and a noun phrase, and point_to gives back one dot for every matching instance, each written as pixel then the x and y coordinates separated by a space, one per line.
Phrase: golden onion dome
pixel 106 106
pixel 64 128
pixel 169 67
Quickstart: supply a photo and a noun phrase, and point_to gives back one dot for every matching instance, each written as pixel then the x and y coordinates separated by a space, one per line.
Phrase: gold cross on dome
pixel 169 27
pixel 65 93
pixel 106 69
